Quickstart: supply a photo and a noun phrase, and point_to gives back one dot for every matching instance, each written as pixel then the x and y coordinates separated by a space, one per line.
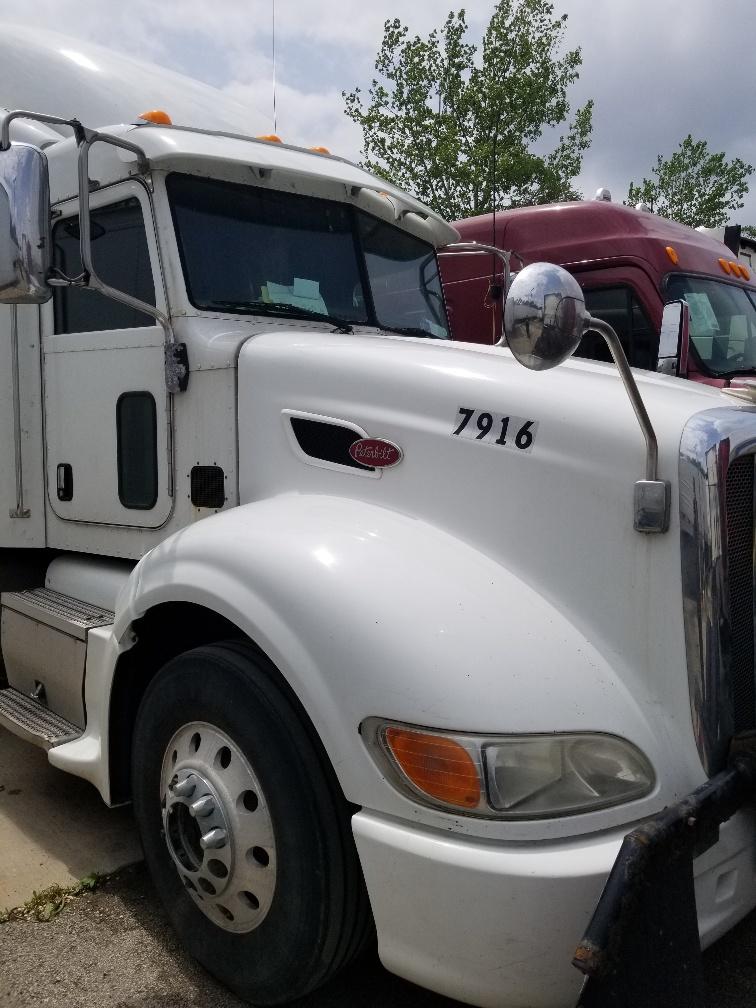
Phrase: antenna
pixel 274 64
pixel 495 292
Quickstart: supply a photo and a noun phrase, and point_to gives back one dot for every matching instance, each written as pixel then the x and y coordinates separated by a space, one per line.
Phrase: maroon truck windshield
pixel 722 323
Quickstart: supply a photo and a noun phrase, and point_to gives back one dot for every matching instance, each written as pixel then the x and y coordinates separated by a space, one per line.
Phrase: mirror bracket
pixel 478 248
pixel 651 498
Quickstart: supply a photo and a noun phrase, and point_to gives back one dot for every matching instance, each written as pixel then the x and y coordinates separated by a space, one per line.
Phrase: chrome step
pixel 61 612
pixel 34 722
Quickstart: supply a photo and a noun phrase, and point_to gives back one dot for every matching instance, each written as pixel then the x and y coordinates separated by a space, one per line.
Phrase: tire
pixel 271 900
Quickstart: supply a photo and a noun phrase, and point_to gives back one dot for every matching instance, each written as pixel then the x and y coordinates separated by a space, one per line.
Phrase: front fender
pixel 366 611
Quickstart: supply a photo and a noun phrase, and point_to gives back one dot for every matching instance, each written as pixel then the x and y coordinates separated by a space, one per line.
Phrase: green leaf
pixel 694 186
pixel 456 122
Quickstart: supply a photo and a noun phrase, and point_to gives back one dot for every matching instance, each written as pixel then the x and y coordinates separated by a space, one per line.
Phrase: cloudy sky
pixel 657 69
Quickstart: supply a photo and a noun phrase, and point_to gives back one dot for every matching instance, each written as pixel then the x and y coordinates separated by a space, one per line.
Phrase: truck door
pixel 105 401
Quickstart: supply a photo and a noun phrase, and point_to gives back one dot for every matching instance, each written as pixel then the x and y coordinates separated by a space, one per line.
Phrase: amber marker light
pixel 672 253
pixel 157 116
pixel 744 272
pixel 270 138
pixel 725 265
pixel 320 150
pixel 437 766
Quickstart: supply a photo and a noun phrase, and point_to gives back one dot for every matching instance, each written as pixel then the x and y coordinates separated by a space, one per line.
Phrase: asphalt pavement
pixel 113 947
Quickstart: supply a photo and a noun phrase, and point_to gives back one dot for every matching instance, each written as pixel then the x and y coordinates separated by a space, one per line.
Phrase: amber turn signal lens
pixel 437 766
pixel 744 272
pixel 157 116
pixel 672 253
pixel 725 265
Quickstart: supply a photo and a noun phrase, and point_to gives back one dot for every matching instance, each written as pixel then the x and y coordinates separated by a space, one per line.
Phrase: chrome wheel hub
pixel 217 827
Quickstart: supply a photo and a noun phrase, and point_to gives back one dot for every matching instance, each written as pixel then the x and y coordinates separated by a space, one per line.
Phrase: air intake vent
pixel 207 486
pixel 327 441
pixel 739 503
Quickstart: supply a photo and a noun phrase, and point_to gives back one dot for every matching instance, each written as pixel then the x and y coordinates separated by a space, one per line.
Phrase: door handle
pixel 65 481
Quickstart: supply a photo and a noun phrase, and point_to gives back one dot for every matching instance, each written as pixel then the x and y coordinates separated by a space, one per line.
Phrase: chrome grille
pixel 739 523
pixel 716 499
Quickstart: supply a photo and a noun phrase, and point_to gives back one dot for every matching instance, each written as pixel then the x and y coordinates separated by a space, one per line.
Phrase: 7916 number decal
pixel 495 429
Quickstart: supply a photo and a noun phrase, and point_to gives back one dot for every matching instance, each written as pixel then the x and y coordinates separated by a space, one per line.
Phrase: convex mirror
pixel 24 225
pixel 544 316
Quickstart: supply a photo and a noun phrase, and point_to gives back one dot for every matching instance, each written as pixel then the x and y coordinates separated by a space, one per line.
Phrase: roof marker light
pixel 744 272
pixel 674 257
pixel 157 116
pixel 735 267
pixel 270 138
pixel 320 150
pixel 725 265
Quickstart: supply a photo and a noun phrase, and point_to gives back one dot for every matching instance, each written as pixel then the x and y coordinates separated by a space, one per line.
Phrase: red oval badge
pixel 375 452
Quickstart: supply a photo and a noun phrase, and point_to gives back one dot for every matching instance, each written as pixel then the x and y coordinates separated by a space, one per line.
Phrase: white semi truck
pixel 373 628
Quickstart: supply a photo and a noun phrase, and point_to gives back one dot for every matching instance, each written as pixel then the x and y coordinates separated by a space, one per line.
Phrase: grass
pixel 47 903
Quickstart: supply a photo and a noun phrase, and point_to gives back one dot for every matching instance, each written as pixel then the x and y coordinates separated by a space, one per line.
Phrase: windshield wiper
pixel 285 310
pixel 411 331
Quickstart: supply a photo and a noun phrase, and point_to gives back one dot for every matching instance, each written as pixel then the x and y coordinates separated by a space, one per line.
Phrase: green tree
pixel 695 186
pixel 457 125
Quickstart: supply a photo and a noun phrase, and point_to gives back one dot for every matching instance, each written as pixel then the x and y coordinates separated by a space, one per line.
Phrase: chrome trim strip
pixel 20 510
pixel 710 443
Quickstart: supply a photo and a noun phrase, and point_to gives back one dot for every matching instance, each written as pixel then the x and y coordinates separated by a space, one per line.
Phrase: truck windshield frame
pixel 244 247
pixel 722 322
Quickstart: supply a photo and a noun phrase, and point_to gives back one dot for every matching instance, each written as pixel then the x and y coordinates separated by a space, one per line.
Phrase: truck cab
pixel 307 581
pixel 629 264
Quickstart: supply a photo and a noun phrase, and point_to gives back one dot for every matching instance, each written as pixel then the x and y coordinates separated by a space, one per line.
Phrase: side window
pixel 121 258
pixel 136 434
pixel 621 309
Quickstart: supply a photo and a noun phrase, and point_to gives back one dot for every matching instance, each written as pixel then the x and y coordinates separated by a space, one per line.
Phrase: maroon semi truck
pixel 629 263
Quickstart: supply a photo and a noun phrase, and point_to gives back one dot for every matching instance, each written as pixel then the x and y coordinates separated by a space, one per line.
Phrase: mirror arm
pixel 478 248
pixel 85 225
pixel 615 348
pixel 176 364
pixel 652 495
pixel 7 119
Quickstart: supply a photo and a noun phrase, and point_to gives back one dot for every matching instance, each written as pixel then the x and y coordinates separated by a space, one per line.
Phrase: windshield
pixel 259 251
pixel 722 322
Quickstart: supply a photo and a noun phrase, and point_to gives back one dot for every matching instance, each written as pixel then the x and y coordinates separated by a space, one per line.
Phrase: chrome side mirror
pixel 673 339
pixel 24 225
pixel 544 316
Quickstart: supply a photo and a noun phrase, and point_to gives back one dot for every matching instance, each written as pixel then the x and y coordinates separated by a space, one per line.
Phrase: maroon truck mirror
pixel 674 338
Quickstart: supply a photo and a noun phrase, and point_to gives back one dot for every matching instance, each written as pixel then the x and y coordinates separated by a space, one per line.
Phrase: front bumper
pixel 496 925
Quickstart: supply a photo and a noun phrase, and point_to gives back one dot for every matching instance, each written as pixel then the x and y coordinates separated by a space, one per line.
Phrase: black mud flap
pixel 641 948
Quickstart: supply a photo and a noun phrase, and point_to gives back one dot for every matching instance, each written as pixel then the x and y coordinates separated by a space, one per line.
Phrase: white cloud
pixel 308 120
pixel 657 70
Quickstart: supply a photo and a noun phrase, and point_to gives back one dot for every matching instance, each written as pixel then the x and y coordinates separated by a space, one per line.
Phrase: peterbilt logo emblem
pixel 376 452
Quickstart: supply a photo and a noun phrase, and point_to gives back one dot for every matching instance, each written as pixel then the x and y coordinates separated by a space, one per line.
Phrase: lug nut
pixel 184 788
pixel 213 839
pixel 204 806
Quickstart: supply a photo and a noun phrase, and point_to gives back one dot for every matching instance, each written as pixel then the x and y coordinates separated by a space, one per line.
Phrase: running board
pixel 32 721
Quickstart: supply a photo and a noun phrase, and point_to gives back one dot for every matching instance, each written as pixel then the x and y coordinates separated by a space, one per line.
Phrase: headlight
pixel 511 776
pixel 535 776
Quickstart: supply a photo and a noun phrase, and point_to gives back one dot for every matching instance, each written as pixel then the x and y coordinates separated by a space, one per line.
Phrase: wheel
pixel 245 830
